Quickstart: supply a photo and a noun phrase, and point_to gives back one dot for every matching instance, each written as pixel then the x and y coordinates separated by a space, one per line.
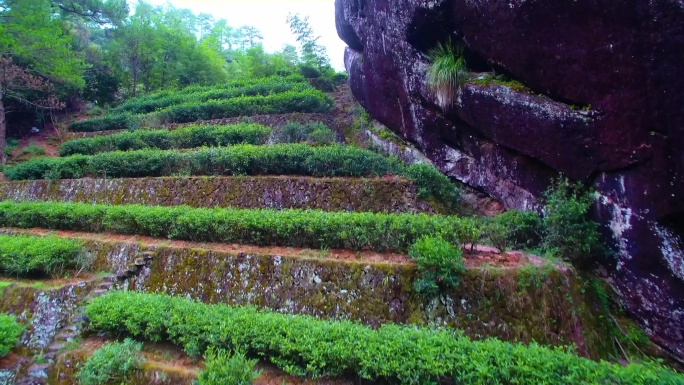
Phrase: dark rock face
pixel 619 62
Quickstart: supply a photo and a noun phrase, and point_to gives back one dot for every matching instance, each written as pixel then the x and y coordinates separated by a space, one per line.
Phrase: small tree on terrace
pixel 313 54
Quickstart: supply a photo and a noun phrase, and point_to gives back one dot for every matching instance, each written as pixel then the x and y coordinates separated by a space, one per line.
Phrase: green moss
pixel 501 80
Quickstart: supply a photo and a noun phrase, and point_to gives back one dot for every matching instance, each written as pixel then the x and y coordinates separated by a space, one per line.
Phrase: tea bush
pixel 303 345
pixel 10 331
pixel 294 228
pixel 514 229
pixel 285 159
pixel 568 231
pixel 221 368
pixel 312 132
pixel 431 182
pixel 112 363
pixel 144 105
pixel 27 255
pixel 187 137
pixel 119 121
pixel 309 101
pixel 305 101
pixel 439 265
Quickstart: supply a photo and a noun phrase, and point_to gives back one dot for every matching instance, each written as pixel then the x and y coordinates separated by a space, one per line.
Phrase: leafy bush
pixel 286 159
pixel 27 255
pixel 439 265
pixel 33 149
pixel 310 132
pixel 10 331
pixel 303 345
pixel 322 135
pixel 447 72
pixel 262 87
pixel 295 228
pixel 309 101
pixel 187 137
pixel 114 362
pixel 568 231
pixel 221 368
pixel 431 182
pixel 120 121
pixel 514 229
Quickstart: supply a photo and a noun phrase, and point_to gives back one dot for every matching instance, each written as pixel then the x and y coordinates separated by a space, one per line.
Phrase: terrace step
pixel 56 347
pixel 395 195
pixel 38 371
pixel 66 336
pixel 109 278
pixel 32 381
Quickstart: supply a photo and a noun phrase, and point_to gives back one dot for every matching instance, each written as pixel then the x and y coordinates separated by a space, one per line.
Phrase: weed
pixel 447 72
pixel 10 330
pixel 221 367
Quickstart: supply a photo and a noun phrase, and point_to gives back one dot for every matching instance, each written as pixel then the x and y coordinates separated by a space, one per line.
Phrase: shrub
pixel 515 229
pixel 287 159
pixel 322 135
pixel 33 149
pixel 446 73
pixel 221 368
pixel 10 331
pixel 187 137
pixel 431 182
pixel 27 255
pixel 568 232
pixel 121 121
pixel 295 228
pixel 293 132
pixel 114 362
pixel 303 345
pixel 439 265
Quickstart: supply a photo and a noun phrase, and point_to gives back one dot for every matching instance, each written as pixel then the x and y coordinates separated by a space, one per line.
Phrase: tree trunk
pixel 135 76
pixel 3 130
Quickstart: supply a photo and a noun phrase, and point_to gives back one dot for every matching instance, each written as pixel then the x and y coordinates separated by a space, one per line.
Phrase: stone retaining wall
pixel 330 194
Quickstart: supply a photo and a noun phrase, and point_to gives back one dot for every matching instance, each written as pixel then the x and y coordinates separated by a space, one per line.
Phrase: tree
pixel 33 49
pixel 312 53
pixel 98 11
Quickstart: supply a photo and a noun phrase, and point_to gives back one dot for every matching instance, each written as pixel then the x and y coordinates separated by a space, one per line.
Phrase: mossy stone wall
pixel 330 194
pixel 44 311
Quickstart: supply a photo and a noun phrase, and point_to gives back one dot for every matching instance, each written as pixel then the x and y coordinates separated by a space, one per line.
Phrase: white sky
pixel 269 17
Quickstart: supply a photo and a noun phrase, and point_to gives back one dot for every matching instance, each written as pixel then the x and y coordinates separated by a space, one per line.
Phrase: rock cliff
pixel 602 104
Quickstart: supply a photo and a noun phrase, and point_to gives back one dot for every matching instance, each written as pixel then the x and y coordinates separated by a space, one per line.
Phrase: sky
pixel 269 17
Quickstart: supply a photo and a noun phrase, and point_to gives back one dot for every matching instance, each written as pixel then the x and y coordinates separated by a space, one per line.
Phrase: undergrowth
pixel 222 367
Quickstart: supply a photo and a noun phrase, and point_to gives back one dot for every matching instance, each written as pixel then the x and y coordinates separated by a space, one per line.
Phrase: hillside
pixel 267 218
